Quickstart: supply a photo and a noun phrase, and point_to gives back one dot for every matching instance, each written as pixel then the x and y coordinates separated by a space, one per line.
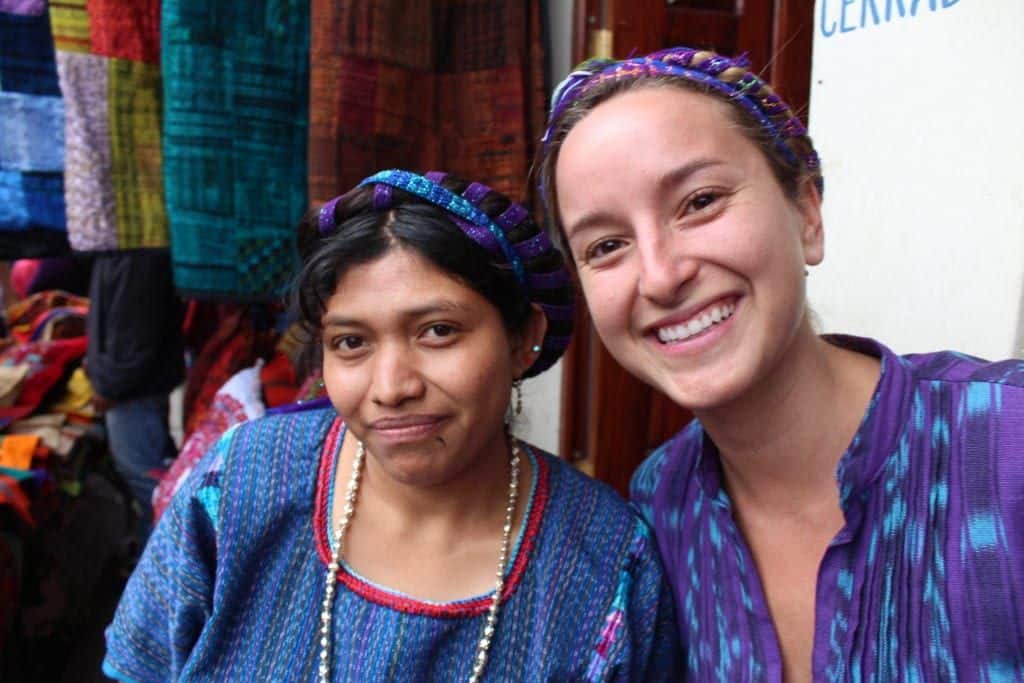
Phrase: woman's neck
pixel 437 542
pixel 781 441
pixel 478 492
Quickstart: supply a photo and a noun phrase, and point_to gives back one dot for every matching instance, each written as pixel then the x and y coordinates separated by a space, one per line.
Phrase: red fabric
pixel 125 29
pixel 280 385
pixel 234 346
pixel 23 315
pixel 22 274
pixel 47 362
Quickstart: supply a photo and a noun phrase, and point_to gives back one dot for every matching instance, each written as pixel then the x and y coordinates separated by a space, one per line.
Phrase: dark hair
pixel 362 234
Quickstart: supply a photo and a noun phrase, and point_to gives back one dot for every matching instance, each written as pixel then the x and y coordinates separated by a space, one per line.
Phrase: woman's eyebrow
pixel 682 173
pixel 428 308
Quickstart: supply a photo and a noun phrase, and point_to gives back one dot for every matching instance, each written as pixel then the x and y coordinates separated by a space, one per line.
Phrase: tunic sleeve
pixel 169 597
pixel 639 640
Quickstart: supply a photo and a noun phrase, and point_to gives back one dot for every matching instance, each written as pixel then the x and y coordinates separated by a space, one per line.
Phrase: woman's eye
pixel 702 200
pixel 439 331
pixel 601 249
pixel 348 343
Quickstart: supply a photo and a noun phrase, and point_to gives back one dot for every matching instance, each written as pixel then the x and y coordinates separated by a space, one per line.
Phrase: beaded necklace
pixel 484 644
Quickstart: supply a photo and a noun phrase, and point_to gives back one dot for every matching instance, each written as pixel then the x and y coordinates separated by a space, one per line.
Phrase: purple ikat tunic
pixel 925 582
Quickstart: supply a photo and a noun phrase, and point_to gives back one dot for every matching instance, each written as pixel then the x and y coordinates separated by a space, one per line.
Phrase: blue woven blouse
pixel 231 582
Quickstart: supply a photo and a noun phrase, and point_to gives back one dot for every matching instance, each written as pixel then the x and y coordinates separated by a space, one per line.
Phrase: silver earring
pixel 517 397
pixel 536 348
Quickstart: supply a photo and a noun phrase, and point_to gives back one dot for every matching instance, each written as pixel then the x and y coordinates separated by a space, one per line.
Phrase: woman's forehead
pixel 399 283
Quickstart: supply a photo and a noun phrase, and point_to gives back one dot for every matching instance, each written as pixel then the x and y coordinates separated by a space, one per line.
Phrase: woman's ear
pixel 812 234
pixel 530 342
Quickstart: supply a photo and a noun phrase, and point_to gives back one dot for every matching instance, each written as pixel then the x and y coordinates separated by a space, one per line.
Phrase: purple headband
pixel 492 235
pixel 699 66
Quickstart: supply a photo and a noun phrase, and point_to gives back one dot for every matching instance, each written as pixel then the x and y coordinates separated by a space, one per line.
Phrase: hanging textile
pixel 32 222
pixel 236 77
pixel 108 62
pixel 456 85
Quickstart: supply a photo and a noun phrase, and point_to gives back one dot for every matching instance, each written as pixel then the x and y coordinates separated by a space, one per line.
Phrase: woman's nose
pixel 396 377
pixel 664 267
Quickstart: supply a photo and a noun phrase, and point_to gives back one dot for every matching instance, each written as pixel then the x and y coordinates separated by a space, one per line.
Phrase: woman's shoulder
pixel 680 453
pixel 566 481
pixel 577 506
pixel 300 434
pixel 954 366
pixel 269 448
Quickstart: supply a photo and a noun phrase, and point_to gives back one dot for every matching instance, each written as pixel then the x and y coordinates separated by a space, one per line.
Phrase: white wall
pixel 542 396
pixel 918 120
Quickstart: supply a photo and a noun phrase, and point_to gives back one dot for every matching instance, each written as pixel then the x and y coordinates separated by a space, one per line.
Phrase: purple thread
pixel 325 221
pixel 476 192
pixel 512 216
pixel 382 196
pixel 480 235
pixel 535 246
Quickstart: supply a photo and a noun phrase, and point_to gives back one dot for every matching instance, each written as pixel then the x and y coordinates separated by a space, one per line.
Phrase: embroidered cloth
pixel 230 584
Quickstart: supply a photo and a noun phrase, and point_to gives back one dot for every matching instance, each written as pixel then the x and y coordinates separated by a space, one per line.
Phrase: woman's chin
pixel 703 390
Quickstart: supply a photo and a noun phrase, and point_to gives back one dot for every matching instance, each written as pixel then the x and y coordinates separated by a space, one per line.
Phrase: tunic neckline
pixel 388 597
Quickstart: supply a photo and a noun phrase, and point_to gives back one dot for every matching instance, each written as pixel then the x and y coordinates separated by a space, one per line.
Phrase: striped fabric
pixel 236 80
pixel 230 585
pixel 107 54
pixel 926 580
pixel 32 220
pixel 422 84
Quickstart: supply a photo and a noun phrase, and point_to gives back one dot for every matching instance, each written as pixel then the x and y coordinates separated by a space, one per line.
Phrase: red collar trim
pixel 401 603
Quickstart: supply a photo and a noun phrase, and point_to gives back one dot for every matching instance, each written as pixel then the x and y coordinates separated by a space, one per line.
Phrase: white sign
pixel 917 110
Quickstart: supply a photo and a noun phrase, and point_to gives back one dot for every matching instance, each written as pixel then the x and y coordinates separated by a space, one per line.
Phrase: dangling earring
pixel 517 397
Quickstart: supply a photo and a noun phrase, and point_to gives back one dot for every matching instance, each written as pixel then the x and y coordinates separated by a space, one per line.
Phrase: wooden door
pixel 611 421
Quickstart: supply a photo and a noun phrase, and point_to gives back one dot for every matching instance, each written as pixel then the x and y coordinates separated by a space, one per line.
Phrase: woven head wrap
pixel 493 235
pixel 729 77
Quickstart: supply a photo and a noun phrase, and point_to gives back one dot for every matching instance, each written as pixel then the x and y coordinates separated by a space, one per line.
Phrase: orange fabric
pixel 16 451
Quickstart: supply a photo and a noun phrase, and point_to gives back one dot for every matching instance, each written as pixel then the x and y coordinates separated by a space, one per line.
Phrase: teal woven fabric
pixel 236 82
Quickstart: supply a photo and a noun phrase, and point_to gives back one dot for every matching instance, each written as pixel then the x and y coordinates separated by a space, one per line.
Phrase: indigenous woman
pixel 415 539
pixel 836 511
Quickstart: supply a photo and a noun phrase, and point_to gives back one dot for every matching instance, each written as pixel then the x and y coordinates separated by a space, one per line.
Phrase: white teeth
pixel 697 324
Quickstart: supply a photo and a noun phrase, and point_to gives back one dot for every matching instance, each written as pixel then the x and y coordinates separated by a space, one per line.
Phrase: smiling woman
pixel 402 534
pixel 835 512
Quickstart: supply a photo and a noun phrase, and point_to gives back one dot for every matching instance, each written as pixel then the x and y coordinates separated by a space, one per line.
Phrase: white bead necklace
pixel 484 644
